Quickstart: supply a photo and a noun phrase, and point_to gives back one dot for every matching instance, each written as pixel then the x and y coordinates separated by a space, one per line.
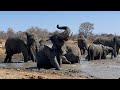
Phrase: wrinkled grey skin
pixel 99 51
pixel 51 57
pixel 16 44
pixel 64 60
pixel 108 50
pixel 72 53
pixel 113 42
pixel 82 44
pixel 33 49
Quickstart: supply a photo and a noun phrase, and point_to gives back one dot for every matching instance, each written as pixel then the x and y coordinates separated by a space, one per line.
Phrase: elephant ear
pixel 23 38
pixel 27 38
pixel 30 38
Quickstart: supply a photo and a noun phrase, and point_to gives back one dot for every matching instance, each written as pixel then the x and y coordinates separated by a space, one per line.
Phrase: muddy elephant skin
pixel 51 57
pixel 113 42
pixel 82 44
pixel 98 51
pixel 15 45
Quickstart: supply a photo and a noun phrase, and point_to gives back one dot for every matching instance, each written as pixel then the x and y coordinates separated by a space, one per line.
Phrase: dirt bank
pixel 46 74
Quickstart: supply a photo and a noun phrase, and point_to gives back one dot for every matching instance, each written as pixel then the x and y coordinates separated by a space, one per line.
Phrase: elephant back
pixel 107 41
pixel 73 49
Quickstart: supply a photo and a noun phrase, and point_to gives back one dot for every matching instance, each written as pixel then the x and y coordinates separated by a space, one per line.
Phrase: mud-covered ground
pixel 20 70
pixel 97 69
pixel 46 74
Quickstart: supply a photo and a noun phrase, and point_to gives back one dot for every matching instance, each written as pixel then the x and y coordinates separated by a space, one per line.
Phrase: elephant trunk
pixel 64 34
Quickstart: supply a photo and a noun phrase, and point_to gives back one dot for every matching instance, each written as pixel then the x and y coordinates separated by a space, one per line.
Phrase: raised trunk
pixel 64 34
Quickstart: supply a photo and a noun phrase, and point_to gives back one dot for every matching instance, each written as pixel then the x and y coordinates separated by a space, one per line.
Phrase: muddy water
pixel 103 69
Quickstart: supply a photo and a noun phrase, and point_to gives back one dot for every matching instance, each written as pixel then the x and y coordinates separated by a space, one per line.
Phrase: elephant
pixel 64 59
pixel 99 51
pixel 82 44
pixel 50 57
pixel 19 44
pixel 113 42
pixel 109 50
pixel 72 53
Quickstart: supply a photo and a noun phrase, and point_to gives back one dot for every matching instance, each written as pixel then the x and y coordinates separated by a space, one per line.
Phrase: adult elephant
pixel 18 44
pixel 99 51
pixel 113 42
pixel 51 57
pixel 82 44
pixel 72 53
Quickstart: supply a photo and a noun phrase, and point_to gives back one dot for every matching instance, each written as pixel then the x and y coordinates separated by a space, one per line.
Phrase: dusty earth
pixel 47 74
pixel 20 70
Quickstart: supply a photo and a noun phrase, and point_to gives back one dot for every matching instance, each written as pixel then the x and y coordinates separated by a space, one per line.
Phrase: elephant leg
pixel 83 51
pixel 38 66
pixel 89 57
pixel 100 57
pixel 117 51
pixel 9 61
pixel 53 60
pixel 8 58
pixel 32 55
pixel 25 55
pixel 92 57
pixel 64 60
pixel 59 59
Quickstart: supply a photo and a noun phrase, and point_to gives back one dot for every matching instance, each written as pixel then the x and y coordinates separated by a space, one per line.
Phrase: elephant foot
pixel 38 68
pixel 5 62
pixel 9 62
pixel 25 61
pixel 57 68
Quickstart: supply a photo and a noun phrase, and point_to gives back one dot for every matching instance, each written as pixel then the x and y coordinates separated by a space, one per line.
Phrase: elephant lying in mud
pixel 72 53
pixel 51 57
pixel 82 44
pixel 99 51
pixel 17 44
pixel 113 42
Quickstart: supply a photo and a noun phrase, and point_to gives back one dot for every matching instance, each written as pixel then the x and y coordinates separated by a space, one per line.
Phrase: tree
pixel 86 29
pixel 39 32
pixel 10 32
pixel 2 35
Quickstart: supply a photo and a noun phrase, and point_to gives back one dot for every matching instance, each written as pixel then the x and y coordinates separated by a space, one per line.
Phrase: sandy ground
pixel 46 74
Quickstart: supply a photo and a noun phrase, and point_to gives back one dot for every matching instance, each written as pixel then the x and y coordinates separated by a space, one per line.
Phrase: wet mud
pixel 97 69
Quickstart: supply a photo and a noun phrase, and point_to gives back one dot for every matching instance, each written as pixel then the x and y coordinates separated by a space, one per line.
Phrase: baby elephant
pixel 99 51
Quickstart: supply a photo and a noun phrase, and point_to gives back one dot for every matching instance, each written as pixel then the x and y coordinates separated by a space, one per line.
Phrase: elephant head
pixel 59 39
pixel 107 50
pixel 30 38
